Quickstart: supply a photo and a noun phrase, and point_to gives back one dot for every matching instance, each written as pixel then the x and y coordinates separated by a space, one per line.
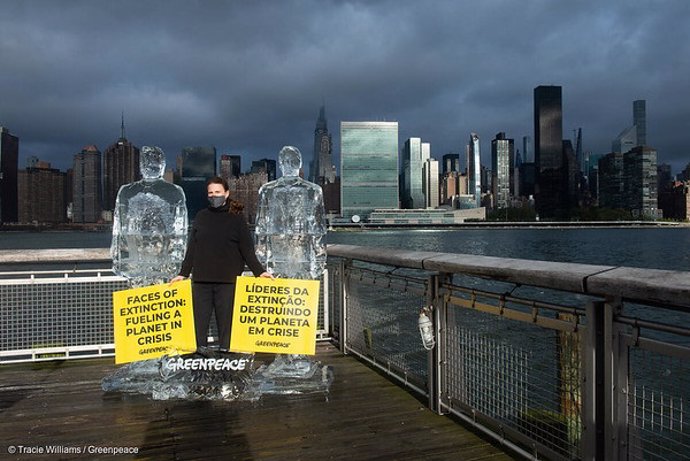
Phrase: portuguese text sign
pixel 152 321
pixel 275 315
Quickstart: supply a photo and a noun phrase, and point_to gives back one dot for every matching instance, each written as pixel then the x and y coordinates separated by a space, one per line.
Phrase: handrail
pixel 671 288
pixel 655 286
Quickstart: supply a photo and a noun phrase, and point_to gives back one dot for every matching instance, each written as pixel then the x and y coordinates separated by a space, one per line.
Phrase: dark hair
pixel 234 207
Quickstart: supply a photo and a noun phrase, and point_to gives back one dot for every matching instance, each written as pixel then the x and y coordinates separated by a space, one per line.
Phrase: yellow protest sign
pixel 151 321
pixel 275 316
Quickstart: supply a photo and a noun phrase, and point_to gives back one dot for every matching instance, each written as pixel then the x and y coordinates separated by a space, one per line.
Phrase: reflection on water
pixel 658 248
pixel 649 248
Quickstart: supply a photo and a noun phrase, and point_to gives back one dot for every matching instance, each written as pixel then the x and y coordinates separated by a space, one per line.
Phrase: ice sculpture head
pixel 152 162
pixel 290 161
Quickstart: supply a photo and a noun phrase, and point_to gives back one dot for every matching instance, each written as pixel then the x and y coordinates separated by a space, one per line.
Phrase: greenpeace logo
pixel 207 364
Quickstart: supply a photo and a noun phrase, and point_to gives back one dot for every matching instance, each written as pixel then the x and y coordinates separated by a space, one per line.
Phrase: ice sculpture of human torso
pixel 149 225
pixel 290 223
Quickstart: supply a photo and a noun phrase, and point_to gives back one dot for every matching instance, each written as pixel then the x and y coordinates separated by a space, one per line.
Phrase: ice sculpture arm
pixel 178 241
pixel 318 231
pixel 117 243
pixel 261 248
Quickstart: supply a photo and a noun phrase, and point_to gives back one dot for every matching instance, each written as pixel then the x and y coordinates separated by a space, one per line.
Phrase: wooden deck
pixel 366 417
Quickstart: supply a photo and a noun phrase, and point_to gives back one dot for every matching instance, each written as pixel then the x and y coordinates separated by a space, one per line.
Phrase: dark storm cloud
pixel 248 77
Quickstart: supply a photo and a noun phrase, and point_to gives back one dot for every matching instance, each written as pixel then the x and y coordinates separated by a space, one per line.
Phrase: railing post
pixel 604 409
pixel 436 356
pixel 593 386
pixel 344 295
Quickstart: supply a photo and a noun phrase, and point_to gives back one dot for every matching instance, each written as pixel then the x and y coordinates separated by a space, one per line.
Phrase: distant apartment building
pixel 120 166
pixel 502 160
pixel 368 167
pixel 9 157
pixel 87 196
pixel 42 194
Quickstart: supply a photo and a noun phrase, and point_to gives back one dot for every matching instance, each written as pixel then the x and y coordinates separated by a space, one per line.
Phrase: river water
pixel 655 248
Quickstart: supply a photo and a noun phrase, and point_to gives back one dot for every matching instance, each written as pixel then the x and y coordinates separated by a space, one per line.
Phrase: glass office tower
pixel 640 121
pixel 415 153
pixel 474 170
pixel 368 167
pixel 196 165
pixel 551 177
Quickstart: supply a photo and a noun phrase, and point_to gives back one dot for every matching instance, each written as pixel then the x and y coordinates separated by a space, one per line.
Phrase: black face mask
pixel 216 201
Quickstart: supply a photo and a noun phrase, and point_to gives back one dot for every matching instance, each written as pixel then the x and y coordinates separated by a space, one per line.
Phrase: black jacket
pixel 219 247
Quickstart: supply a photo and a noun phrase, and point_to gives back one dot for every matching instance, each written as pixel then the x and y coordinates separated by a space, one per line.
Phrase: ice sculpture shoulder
pixel 149 225
pixel 290 222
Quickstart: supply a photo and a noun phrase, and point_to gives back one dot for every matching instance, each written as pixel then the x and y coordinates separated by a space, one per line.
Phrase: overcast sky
pixel 249 76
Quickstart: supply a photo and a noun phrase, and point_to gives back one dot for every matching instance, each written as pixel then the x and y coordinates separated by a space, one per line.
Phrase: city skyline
pixel 249 78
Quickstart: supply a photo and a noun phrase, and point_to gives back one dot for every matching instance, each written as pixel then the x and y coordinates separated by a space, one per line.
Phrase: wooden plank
pixel 364 416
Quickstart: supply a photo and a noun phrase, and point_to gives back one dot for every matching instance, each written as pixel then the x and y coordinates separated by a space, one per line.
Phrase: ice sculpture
pixel 290 222
pixel 290 227
pixel 149 225
pixel 204 375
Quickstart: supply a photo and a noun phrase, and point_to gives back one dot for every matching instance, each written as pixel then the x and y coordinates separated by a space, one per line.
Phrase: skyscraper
pixel 86 192
pixel 430 183
pixel 322 171
pixel 195 166
pixel 266 165
pixel 9 153
pixel 451 162
pixel 551 176
pixel 230 166
pixel 625 141
pixel 368 167
pixel 474 169
pixel 501 169
pixel 120 166
pixel 640 121
pixel 414 156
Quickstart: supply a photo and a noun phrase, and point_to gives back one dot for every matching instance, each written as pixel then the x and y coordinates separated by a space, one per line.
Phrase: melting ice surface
pixel 290 227
pixel 208 375
pixel 149 225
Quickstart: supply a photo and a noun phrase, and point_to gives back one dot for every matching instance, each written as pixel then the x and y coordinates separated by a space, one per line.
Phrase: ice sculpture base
pixel 204 375
pixel 267 382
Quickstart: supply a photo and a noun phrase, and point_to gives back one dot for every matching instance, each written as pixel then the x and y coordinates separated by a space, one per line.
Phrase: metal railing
pixel 554 360
pixel 57 304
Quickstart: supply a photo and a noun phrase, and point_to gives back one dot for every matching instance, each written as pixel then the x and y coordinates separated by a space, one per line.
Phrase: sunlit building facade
pixel 474 169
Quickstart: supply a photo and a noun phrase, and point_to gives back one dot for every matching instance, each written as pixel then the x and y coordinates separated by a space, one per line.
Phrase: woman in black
pixel 219 247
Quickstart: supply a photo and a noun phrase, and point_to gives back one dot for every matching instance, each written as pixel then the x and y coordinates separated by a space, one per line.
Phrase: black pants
pixel 209 298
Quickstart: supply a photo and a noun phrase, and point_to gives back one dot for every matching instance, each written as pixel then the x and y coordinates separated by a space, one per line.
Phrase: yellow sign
pixel 275 316
pixel 152 321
